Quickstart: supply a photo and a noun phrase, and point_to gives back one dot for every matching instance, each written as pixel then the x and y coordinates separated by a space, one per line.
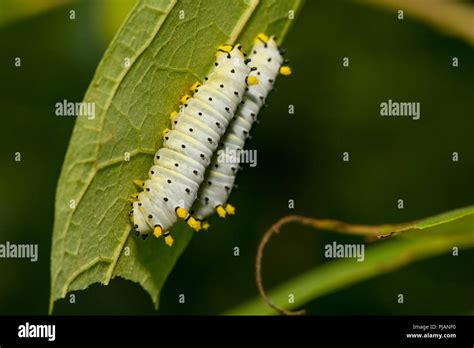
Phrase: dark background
pixel 299 157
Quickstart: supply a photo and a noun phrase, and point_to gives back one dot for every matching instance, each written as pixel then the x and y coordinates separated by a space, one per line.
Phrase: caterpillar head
pixel 231 54
pixel 266 55
pixel 231 63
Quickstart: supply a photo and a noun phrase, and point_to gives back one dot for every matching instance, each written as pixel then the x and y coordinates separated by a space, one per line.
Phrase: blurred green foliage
pixel 17 10
pixel 299 157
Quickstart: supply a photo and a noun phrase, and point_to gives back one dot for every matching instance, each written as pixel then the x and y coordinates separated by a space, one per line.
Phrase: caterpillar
pixel 180 164
pixel 267 62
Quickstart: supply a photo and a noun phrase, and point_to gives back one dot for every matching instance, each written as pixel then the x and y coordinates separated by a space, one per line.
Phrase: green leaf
pixel 426 238
pixel 169 45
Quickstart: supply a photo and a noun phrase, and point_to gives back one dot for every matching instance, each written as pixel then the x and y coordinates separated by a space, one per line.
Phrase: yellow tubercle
pixel 166 131
pixel 184 98
pixel 221 211
pixel 194 224
pixel 196 84
pixel 205 225
pixel 285 70
pixel 169 240
pixel 225 48
pixel 252 80
pixel 230 209
pixel 173 115
pixel 157 231
pixel 261 37
pixel 138 183
pixel 134 197
pixel 181 213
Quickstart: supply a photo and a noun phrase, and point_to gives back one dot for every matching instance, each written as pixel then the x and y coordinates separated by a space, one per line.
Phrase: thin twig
pixel 370 231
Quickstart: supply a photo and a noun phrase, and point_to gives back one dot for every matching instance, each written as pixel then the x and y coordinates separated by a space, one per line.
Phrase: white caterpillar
pixel 214 192
pixel 180 164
